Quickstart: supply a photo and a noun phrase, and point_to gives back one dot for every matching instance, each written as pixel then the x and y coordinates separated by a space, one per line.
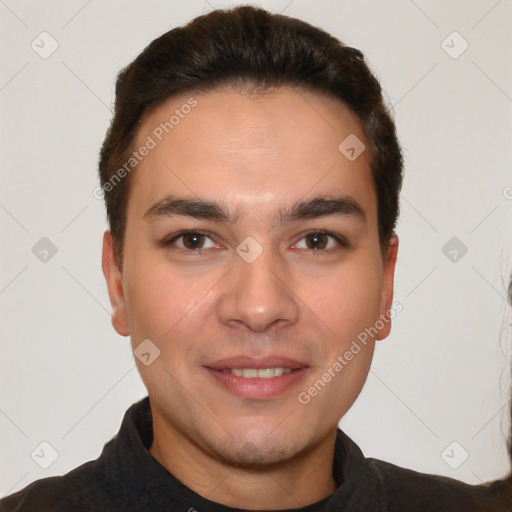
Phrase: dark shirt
pixel 127 478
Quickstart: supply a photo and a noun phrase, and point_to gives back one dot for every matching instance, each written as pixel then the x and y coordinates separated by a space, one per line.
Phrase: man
pixel 251 177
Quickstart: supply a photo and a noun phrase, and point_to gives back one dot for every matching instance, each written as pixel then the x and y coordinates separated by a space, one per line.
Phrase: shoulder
pixel 102 485
pixel 82 489
pixel 407 489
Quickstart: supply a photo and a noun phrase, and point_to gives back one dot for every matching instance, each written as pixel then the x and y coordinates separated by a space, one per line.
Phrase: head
pixel 251 176
pixel 218 50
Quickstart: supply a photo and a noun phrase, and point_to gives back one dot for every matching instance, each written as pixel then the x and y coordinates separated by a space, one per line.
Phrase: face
pixel 252 264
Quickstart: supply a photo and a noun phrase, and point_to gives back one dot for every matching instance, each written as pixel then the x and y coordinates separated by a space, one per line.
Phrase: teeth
pixel 263 373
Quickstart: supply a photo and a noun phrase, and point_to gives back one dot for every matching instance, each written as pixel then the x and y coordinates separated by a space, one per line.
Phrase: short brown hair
pixel 249 45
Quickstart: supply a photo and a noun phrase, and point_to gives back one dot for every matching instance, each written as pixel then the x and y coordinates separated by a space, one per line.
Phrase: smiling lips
pixel 261 373
pixel 257 378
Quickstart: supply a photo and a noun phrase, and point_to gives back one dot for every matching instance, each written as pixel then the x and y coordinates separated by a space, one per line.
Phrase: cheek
pixel 165 305
pixel 169 310
pixel 347 301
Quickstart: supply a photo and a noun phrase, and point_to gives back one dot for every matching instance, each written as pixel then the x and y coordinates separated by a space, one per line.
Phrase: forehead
pixel 251 150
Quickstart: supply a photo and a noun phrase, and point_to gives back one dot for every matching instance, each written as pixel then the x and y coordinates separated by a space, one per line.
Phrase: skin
pixel 257 154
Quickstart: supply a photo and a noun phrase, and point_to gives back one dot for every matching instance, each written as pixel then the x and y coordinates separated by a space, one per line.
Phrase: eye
pixel 189 241
pixel 321 241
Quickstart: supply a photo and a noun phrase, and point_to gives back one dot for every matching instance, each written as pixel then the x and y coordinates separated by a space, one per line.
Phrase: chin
pixel 257 450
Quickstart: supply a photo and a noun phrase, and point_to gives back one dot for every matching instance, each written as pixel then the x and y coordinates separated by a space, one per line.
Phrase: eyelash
pixel 342 241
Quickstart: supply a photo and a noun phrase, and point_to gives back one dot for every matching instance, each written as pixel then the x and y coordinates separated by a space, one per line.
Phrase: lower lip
pixel 257 389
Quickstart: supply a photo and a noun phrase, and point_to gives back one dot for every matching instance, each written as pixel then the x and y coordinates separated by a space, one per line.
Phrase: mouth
pixel 258 373
pixel 257 378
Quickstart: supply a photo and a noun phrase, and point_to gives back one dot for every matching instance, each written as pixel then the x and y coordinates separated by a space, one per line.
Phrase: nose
pixel 258 296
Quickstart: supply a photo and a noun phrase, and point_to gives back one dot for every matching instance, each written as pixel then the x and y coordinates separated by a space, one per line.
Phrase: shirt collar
pixel 133 476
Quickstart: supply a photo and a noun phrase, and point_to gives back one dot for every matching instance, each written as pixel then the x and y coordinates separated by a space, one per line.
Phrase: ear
pixel 114 279
pixel 386 301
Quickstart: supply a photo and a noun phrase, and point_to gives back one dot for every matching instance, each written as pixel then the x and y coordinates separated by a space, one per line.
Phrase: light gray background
pixel 66 377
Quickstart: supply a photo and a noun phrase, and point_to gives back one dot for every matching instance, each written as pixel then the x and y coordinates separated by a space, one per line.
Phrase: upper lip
pixel 254 362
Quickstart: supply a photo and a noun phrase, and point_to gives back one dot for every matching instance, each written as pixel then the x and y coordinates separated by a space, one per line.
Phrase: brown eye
pixel 190 241
pixel 317 241
pixel 322 241
pixel 193 241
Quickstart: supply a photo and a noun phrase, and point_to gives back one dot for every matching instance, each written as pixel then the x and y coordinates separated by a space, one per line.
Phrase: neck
pixel 295 483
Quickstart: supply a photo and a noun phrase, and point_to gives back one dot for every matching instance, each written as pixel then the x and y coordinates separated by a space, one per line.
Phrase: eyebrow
pixel 171 206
